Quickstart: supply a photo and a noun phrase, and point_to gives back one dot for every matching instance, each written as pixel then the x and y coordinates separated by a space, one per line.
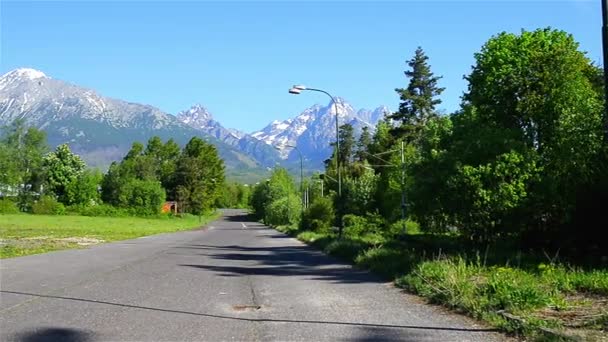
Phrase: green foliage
pixel 363 145
pixel 280 186
pixel 21 160
pixel 144 196
pixel 358 193
pixel 62 168
pixel 234 195
pixel 536 88
pixel 48 205
pixel 358 226
pixel 347 144
pixel 83 190
pixel 102 210
pixel 147 175
pixel 284 210
pixel 401 227
pixel 8 206
pixel 418 100
pixel 198 177
pixel 320 215
pixel 346 249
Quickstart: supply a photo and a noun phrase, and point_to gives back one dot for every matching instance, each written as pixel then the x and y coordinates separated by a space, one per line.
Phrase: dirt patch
pixel 82 241
pixel 581 310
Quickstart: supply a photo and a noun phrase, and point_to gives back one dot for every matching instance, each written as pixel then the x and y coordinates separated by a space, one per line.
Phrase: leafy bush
pixel 358 226
pixel 285 210
pixel 399 227
pixel 320 215
pixel 386 261
pixel 103 210
pixel 514 289
pixel 83 189
pixel 346 249
pixel 144 197
pixel 8 207
pixel 48 205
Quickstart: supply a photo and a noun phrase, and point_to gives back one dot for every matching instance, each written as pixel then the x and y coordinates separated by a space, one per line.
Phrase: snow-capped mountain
pixel 199 118
pixel 99 128
pixel 313 130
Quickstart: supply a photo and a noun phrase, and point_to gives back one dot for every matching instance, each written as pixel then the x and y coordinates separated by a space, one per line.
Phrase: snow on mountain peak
pixel 25 73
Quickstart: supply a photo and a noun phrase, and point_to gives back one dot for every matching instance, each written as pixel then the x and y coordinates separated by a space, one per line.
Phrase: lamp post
pixel 301 174
pixel 296 90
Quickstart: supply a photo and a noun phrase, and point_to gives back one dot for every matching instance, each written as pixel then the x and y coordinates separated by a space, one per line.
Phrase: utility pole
pixel 403 187
pixel 605 50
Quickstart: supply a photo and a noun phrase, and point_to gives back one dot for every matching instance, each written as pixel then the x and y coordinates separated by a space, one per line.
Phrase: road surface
pixel 234 280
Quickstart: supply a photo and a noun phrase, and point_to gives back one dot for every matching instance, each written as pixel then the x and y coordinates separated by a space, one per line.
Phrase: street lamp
pixel 296 90
pixel 301 174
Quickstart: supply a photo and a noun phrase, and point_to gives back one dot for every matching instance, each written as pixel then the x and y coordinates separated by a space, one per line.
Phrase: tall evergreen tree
pixel 363 144
pixel 418 100
pixel 347 144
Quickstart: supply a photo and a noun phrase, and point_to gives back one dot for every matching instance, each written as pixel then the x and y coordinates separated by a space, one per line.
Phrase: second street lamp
pixel 296 90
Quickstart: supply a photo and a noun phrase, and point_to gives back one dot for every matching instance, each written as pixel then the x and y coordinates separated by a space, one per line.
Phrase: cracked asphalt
pixel 233 280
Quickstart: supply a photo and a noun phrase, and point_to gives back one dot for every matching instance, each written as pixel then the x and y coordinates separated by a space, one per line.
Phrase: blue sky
pixel 239 58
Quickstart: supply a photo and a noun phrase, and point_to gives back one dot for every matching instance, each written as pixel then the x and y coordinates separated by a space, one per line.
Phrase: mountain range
pixel 102 129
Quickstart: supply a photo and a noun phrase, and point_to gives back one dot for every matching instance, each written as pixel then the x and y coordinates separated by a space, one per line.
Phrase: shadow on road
pixel 55 335
pixel 279 261
pixel 68 333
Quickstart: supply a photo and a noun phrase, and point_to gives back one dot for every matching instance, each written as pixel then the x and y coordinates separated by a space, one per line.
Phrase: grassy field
pixel 529 294
pixel 24 234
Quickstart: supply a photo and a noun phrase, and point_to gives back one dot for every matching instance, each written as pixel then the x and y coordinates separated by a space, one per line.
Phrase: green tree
pixel 418 100
pixel 537 89
pixel 84 188
pixel 199 176
pixel 347 144
pixel 24 149
pixel 363 145
pixel 279 186
pixel 62 167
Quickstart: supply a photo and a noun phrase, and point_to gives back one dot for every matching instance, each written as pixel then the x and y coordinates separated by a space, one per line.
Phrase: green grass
pixel 24 234
pixel 493 283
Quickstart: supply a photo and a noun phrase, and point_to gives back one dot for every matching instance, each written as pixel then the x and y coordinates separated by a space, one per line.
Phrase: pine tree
pixel 347 145
pixel 365 140
pixel 418 100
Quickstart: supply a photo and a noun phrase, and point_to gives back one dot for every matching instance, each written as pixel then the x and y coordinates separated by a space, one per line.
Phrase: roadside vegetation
pixel 50 200
pixel 504 200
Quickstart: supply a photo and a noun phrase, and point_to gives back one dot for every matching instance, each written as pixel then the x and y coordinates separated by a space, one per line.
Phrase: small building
pixel 169 207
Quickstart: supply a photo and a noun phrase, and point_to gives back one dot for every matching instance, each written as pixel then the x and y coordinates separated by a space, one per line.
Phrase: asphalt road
pixel 234 280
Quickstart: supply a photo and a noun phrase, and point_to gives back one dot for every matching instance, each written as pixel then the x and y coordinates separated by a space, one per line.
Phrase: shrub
pixel 144 197
pixel 514 289
pixel 285 210
pixel 103 210
pixel 346 249
pixel 397 228
pixel 320 215
pixel 48 205
pixel 8 207
pixel 357 226
pixel 388 262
